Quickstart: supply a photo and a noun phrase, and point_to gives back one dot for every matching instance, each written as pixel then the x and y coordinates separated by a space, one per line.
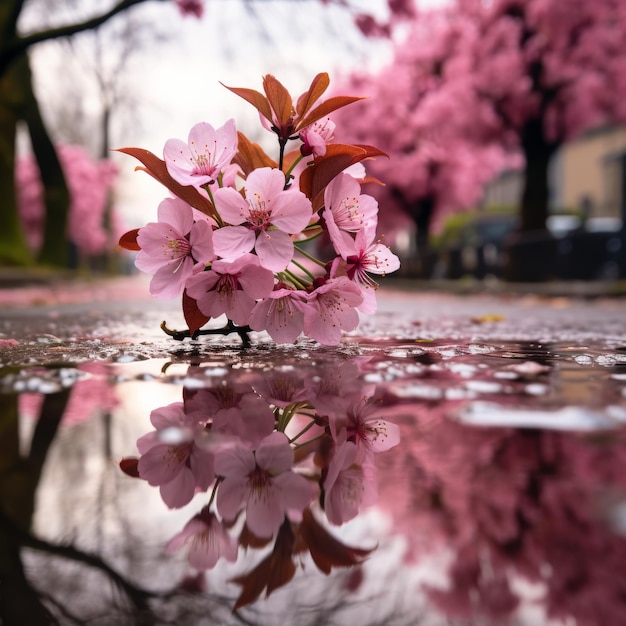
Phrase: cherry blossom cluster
pixel 275 450
pixel 240 235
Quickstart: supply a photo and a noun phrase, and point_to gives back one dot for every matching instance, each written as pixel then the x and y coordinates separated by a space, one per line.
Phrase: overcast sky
pixel 236 42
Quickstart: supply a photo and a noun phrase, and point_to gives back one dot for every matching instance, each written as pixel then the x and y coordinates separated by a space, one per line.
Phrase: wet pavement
pixel 503 503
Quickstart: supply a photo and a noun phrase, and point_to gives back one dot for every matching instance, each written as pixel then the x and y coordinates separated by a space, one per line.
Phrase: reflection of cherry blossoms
pixel 262 482
pixel 91 394
pixel 208 540
pixel 170 458
pixel 514 504
pixel 271 463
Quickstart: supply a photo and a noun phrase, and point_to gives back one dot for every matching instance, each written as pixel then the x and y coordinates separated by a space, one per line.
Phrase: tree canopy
pixel 474 82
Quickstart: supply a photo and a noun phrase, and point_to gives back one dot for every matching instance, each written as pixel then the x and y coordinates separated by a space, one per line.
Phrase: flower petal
pixel 232 241
pixel 275 249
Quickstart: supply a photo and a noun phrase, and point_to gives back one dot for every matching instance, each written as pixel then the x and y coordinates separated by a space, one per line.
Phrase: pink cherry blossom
pixel 171 247
pixel 280 314
pixel 90 183
pixel 170 458
pixel 330 309
pixel 261 482
pixel 262 221
pixel 316 136
pixel 204 157
pixel 281 387
pixel 361 424
pixel 370 257
pixel 208 540
pixel 344 485
pixel 231 288
pixel 332 386
pixel 234 411
pixel 191 7
pixel 347 211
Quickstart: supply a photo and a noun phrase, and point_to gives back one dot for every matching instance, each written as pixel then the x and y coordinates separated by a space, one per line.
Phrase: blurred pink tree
pixel 90 184
pixel 433 168
pixel 518 75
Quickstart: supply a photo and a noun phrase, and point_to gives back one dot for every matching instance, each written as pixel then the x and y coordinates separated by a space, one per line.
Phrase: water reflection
pixel 502 503
pixel 275 448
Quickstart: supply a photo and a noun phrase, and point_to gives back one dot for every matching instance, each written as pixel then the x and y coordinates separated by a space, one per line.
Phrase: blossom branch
pixel 230 328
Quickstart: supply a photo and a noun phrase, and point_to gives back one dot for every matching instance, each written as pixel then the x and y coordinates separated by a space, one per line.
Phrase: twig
pixel 230 328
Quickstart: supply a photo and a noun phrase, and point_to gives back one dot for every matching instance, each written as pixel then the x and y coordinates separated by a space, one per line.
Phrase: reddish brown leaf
pixel 129 466
pixel 338 157
pixel 327 551
pixel 250 540
pixel 273 572
pixel 283 567
pixel 128 240
pixel 326 107
pixel 373 180
pixel 251 156
pixel 279 99
pixel 255 98
pixel 193 316
pixel 253 583
pixel 157 169
pixel 318 86
pixel 372 151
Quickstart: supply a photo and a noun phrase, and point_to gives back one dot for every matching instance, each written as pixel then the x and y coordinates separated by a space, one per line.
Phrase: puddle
pixel 503 502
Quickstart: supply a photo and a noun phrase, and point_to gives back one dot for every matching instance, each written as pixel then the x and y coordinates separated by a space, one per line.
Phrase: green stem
pixel 310 441
pixel 304 269
pixel 288 412
pixel 293 165
pixel 297 282
pixel 312 237
pixel 217 217
pixel 304 430
pixel 310 257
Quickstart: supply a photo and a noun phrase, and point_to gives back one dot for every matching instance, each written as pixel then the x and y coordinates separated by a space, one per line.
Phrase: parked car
pixel 589 250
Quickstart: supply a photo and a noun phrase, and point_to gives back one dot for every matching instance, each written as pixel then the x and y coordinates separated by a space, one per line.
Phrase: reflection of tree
pixel 21 602
pixel 517 504
pixel 19 476
pixel 83 556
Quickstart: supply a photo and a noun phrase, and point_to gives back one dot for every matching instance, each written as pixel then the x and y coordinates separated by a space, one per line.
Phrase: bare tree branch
pixel 17 45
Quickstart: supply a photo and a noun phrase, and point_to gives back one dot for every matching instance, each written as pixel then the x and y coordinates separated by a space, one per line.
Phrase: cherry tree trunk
pixel 538 153
pixel 423 214
pixel 532 250
pixel 54 251
pixel 18 103
pixel 13 248
pixel 20 602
